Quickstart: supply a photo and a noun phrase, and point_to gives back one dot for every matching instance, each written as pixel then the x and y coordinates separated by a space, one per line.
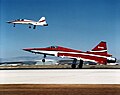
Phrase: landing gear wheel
pixel 80 64
pixel 29 26
pixel 73 66
pixel 14 25
pixel 43 60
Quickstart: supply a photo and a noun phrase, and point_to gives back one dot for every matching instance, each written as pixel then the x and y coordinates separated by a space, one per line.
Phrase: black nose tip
pixel 45 24
pixel 25 49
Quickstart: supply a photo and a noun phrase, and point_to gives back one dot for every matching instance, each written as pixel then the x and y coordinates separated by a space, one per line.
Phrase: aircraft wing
pixel 38 52
pixel 21 21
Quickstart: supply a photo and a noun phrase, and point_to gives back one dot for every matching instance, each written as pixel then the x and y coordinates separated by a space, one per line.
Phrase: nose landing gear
pixel 14 25
pixel 43 60
pixel 29 26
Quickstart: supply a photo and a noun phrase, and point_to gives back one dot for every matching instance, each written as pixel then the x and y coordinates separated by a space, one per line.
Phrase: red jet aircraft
pixel 98 54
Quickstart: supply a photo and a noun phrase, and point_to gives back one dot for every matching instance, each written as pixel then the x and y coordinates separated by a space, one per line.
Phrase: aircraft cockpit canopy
pixel 53 47
pixel 20 20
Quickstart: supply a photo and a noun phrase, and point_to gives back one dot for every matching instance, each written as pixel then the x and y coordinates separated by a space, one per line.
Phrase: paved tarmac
pixel 60 76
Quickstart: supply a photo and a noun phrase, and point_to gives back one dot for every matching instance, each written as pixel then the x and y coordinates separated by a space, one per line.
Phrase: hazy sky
pixel 78 24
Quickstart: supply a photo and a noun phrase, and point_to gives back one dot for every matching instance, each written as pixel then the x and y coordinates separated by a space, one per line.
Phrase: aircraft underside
pixel 73 65
pixel 34 26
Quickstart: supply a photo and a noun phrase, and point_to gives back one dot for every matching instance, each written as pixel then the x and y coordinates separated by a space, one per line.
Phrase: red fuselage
pixel 98 57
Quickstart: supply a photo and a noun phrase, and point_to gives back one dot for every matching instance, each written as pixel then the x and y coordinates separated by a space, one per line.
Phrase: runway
pixel 60 76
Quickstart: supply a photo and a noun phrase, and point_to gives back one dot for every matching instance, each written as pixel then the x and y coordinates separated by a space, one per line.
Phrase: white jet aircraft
pixel 41 22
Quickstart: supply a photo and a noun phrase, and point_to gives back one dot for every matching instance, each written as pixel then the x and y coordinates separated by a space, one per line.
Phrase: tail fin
pixel 43 21
pixel 101 47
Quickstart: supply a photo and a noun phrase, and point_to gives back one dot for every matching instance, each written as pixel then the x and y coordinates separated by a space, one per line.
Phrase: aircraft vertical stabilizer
pixel 43 21
pixel 101 47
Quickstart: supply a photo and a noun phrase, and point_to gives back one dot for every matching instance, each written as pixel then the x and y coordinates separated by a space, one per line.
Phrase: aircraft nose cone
pixel 26 49
pixel 8 22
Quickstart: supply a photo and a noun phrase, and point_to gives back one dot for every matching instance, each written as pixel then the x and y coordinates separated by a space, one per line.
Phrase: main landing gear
pixel 80 65
pixel 73 66
pixel 34 26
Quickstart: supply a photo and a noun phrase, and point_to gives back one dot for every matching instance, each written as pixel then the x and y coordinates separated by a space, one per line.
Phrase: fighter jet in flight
pixel 41 22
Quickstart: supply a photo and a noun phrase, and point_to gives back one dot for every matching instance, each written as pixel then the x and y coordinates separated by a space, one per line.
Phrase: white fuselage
pixel 27 22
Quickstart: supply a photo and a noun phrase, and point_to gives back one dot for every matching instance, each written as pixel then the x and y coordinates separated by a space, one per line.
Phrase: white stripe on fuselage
pixel 56 52
pixel 23 22
pixel 45 52
pixel 99 51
